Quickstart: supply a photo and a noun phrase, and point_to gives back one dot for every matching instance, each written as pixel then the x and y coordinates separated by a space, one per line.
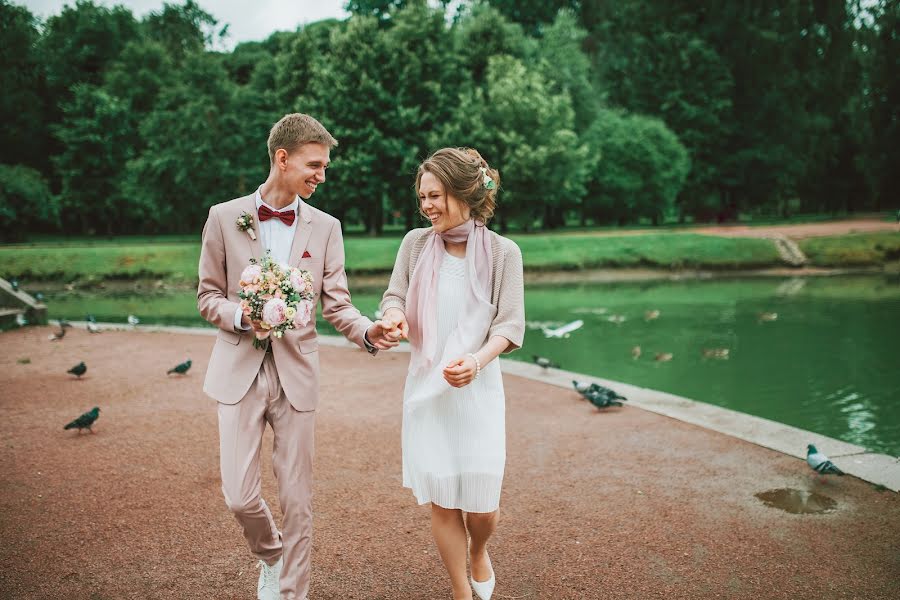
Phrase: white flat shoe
pixel 484 589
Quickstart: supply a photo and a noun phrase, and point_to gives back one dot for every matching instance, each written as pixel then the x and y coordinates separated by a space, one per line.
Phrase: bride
pixel 457 293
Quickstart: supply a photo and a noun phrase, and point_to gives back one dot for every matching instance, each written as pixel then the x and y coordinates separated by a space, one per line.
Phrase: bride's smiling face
pixel 442 209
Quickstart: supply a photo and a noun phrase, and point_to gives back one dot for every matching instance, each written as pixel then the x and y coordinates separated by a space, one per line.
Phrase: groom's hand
pixel 249 323
pixel 383 334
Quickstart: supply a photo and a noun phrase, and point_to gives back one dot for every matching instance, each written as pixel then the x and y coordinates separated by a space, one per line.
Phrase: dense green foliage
pixel 600 111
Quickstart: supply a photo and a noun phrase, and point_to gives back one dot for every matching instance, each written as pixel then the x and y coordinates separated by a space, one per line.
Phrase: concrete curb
pixel 879 469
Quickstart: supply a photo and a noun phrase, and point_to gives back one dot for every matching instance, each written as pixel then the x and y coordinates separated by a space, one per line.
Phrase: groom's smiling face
pixel 305 168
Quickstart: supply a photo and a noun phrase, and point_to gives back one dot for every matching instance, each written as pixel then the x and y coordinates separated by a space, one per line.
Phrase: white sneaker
pixel 267 588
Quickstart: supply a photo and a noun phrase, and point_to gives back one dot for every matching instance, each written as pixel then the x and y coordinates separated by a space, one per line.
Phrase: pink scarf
pixel 421 302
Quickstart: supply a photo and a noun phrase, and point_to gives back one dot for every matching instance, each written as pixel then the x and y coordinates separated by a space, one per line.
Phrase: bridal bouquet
pixel 278 296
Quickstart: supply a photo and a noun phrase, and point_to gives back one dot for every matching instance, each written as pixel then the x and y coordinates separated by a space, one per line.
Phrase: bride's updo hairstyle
pixel 467 177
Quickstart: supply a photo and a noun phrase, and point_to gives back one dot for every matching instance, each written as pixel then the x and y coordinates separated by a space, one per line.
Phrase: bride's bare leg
pixel 449 531
pixel 481 526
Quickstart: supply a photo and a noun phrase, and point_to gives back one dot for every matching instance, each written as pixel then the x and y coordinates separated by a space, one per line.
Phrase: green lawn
pixel 135 258
pixel 853 250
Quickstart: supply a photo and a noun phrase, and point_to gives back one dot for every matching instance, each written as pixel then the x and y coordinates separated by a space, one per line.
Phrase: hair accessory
pixel 487 180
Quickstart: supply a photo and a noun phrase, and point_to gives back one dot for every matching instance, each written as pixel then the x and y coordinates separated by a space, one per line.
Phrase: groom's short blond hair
pixel 296 129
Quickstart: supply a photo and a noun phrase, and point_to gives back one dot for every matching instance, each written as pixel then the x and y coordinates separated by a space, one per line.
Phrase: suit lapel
pixel 302 234
pixel 255 246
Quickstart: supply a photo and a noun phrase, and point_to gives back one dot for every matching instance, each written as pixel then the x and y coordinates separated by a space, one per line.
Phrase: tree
pixel 567 68
pixel 96 143
pixel 345 92
pixel 533 14
pixel 191 142
pixel 642 167
pixel 182 30
pixel 80 43
pixel 525 131
pixel 138 75
pixel 26 203
pixel 24 136
pixel 294 63
pixel 880 49
pixel 483 32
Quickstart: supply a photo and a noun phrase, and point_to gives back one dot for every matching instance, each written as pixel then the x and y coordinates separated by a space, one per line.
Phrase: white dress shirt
pixel 275 237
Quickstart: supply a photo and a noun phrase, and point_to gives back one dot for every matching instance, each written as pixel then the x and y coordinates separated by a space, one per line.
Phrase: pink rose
pixel 250 274
pixel 304 313
pixel 273 312
pixel 297 280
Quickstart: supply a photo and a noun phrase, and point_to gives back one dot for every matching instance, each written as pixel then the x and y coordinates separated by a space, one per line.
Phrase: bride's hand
pixel 460 372
pixel 401 328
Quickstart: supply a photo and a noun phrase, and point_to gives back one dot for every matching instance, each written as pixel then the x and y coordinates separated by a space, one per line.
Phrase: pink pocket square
pixel 306 254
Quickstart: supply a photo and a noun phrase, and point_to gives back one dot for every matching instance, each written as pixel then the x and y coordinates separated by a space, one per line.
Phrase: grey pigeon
pixel 181 368
pixel 21 321
pixel 133 320
pixel 544 362
pixel 820 463
pixel 78 370
pixel 85 421
pixel 92 327
pixel 603 397
pixel 14 284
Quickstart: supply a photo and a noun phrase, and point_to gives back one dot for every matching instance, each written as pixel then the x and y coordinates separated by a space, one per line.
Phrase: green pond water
pixel 828 362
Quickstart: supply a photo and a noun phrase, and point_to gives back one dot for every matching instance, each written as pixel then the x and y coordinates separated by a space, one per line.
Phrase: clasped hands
pixel 393 326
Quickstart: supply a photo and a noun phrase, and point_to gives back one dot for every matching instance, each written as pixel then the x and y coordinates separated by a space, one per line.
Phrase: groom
pixel 278 385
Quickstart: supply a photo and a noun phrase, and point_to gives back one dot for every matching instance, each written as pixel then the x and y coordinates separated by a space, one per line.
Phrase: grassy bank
pixel 177 261
pixel 853 250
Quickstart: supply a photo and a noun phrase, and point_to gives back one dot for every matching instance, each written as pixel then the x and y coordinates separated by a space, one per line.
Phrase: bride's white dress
pixel 454 441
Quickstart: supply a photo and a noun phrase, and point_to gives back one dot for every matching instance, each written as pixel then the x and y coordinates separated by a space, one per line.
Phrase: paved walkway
pixel 621 504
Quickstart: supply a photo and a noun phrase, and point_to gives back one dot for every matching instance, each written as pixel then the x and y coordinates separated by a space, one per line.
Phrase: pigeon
pixel 39 296
pixel 14 283
pixel 133 320
pixel 563 331
pixel 90 319
pixel 820 463
pixel 21 321
pixel 543 362
pixel 85 421
pixel 92 327
pixel 767 316
pixel 603 397
pixel 650 315
pixel 58 335
pixel 78 370
pixel 636 352
pixel 664 356
pixel 720 353
pixel 617 319
pixel 181 368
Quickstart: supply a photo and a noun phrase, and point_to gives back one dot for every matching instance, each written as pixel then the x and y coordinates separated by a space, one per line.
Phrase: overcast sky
pixel 248 19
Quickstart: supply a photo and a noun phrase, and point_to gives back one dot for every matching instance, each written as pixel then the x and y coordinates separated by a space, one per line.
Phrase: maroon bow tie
pixel 287 217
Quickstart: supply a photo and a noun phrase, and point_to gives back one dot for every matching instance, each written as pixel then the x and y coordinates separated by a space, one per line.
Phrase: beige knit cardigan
pixel 508 288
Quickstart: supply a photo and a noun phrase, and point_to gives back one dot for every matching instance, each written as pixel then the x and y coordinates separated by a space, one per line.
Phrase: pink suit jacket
pixel 224 254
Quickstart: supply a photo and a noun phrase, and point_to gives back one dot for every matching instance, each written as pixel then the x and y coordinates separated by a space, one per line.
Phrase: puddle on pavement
pixel 797 501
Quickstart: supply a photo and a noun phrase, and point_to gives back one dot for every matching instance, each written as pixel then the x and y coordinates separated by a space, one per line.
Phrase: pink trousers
pixel 241 428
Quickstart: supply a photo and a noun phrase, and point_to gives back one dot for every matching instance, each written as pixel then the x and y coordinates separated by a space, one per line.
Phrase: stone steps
pixel 789 251
pixel 15 299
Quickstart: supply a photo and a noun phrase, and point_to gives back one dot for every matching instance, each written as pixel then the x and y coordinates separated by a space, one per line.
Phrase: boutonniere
pixel 245 223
